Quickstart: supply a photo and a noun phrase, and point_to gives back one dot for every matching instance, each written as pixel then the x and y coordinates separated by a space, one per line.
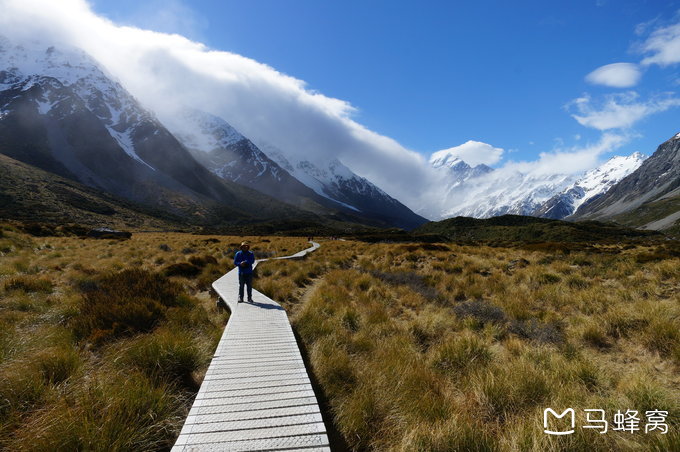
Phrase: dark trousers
pixel 247 279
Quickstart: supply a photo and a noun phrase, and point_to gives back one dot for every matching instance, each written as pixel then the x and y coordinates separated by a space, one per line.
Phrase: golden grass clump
pixel 415 347
pixel 101 347
pixel 462 348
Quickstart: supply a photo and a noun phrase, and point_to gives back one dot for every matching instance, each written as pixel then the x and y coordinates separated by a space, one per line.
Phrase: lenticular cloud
pixel 617 75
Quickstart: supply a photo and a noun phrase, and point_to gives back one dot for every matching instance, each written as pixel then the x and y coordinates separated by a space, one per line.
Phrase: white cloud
pixel 168 71
pixel 473 153
pixel 509 184
pixel 618 111
pixel 616 75
pixel 569 159
pixel 663 45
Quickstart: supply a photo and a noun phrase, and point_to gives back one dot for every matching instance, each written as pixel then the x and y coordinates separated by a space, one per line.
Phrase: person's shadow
pixel 265 305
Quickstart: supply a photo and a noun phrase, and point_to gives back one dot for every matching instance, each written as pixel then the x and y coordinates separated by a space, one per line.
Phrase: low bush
pixel 183 269
pixel 202 261
pixel 125 303
pixel 481 311
pixel 29 284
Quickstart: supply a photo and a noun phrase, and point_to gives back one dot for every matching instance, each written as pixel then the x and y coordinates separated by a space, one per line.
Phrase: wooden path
pixel 256 394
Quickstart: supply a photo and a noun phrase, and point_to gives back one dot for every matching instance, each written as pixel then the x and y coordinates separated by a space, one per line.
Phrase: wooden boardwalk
pixel 256 394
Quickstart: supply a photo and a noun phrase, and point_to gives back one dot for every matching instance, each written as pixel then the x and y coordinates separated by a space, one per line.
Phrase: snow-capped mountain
pixel 483 192
pixel 457 171
pixel 648 197
pixel 62 113
pixel 500 193
pixel 231 156
pixel 334 181
pixel 222 149
pixel 445 159
pixel 592 185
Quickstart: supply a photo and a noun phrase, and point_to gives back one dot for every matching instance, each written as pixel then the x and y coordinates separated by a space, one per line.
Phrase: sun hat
pixel 245 243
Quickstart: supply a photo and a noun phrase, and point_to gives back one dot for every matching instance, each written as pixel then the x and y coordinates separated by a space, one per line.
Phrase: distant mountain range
pixel 61 112
pixel 482 192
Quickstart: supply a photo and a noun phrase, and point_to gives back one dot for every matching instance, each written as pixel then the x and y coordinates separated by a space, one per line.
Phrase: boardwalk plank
pixel 256 394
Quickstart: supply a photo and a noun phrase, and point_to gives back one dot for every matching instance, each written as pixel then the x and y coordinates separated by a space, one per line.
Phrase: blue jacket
pixel 248 257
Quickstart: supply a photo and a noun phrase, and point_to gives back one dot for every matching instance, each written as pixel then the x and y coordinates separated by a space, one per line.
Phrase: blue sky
pixel 433 75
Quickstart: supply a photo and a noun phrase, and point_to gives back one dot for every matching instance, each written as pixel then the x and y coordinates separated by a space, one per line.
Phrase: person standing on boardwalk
pixel 244 260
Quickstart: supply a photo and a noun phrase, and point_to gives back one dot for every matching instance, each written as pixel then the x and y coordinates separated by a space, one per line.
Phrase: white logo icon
pixel 568 411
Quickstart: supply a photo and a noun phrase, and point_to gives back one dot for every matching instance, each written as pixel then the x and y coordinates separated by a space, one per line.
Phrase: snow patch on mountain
pixel 125 142
pixel 227 153
pixel 324 181
pixel 33 63
pixel 503 192
pixel 601 179
pixel 45 107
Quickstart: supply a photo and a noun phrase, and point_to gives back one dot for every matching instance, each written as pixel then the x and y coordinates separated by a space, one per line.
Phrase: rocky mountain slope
pixel 337 183
pixel 60 112
pixel 233 157
pixel 28 193
pixel 648 197
pixel 592 185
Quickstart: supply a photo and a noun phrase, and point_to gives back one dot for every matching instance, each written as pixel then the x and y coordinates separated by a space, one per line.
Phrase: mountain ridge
pixel 648 197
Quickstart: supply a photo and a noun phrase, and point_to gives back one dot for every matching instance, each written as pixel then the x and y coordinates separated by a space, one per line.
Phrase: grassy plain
pixel 440 347
pixel 103 343
pixel 416 347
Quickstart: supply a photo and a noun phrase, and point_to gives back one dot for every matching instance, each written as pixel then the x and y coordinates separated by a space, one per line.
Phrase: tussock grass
pixel 425 347
pixel 125 303
pixel 29 284
pixel 100 348
pixel 166 357
pixel 116 411
pixel 510 332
